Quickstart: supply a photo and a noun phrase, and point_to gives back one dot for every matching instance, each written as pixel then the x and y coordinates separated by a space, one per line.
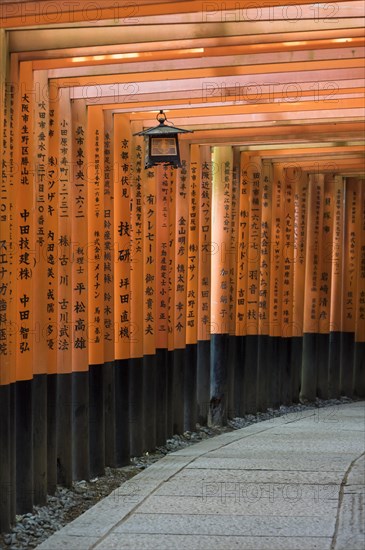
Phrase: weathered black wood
pixel 5 467
pixel 271 372
pixel 39 404
pixel 136 406
pixel 24 446
pixel 203 381
pixel 12 452
pixel 262 373
pixel 334 365
pixel 347 363
pixel 96 421
pixel 170 393
pixel 250 374
pixel 322 358
pixel 178 391
pixel 161 396
pixel 308 390
pixel 296 359
pixel 285 369
pixel 80 426
pixel 190 377
pixel 239 395
pixel 149 402
pixel 109 411
pixel 64 429
pixel 359 369
pixel 218 380
pixel 51 433
pixel 122 412
pixel 231 367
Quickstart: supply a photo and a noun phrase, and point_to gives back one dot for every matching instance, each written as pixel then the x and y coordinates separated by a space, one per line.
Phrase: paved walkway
pixel 295 482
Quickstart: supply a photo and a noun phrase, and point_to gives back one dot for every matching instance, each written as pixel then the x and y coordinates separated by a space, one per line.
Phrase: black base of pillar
pixel 80 425
pixel 178 391
pixel 285 371
pixel 190 387
pixel 203 381
pixel 96 421
pixel 218 380
pixel 359 369
pixel 51 433
pixel 322 362
pixel 347 363
pixel 109 413
pixel 122 454
pixel 24 446
pixel 296 358
pixel 149 402
pixel 40 439
pixel 170 394
pixel 334 365
pixel 250 374
pixel 64 429
pixel 136 406
pixel 5 471
pixel 262 373
pixel 308 390
pixel 231 371
pixel 161 396
pixel 13 452
pixel 274 374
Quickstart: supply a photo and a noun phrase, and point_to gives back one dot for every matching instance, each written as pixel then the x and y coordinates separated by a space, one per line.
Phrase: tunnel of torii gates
pixel 136 302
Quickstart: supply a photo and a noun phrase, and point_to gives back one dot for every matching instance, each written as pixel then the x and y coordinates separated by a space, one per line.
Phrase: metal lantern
pixel 162 145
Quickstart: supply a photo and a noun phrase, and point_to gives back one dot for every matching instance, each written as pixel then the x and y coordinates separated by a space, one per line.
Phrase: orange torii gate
pixel 133 302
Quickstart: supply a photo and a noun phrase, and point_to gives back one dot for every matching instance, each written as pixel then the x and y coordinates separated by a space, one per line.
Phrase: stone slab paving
pixel 295 482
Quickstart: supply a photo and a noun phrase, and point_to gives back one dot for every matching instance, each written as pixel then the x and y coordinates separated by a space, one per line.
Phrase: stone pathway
pixel 295 482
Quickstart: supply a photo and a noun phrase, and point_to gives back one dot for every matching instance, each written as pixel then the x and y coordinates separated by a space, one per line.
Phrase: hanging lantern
pixel 162 145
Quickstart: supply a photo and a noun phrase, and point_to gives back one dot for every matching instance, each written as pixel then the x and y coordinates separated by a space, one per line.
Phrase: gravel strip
pixel 67 504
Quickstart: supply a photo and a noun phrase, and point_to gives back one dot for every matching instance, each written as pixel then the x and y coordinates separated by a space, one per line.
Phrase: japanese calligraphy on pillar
pixel 135 232
pixel 242 248
pixel 360 302
pixel 64 244
pixel 352 229
pixel 52 267
pixel 233 240
pixel 108 239
pixel 327 254
pixel 80 360
pixel 162 258
pixel 313 263
pixel 205 244
pixel 193 246
pixel 289 177
pixel 96 233
pixel 171 178
pixel 24 220
pixel 266 207
pixel 221 225
pixel 276 266
pixel 300 229
pixel 253 279
pixel 337 255
pixel 122 289
pixel 149 259
pixel 41 129
pixel 181 249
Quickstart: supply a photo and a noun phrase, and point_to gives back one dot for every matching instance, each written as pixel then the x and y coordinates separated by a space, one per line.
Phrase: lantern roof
pixel 162 128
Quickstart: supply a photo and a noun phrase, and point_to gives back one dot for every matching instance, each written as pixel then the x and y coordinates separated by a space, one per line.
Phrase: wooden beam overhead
pixel 15 14
pixel 286 77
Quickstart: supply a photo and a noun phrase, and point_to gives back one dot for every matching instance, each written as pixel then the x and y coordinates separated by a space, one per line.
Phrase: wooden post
pixel 221 221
